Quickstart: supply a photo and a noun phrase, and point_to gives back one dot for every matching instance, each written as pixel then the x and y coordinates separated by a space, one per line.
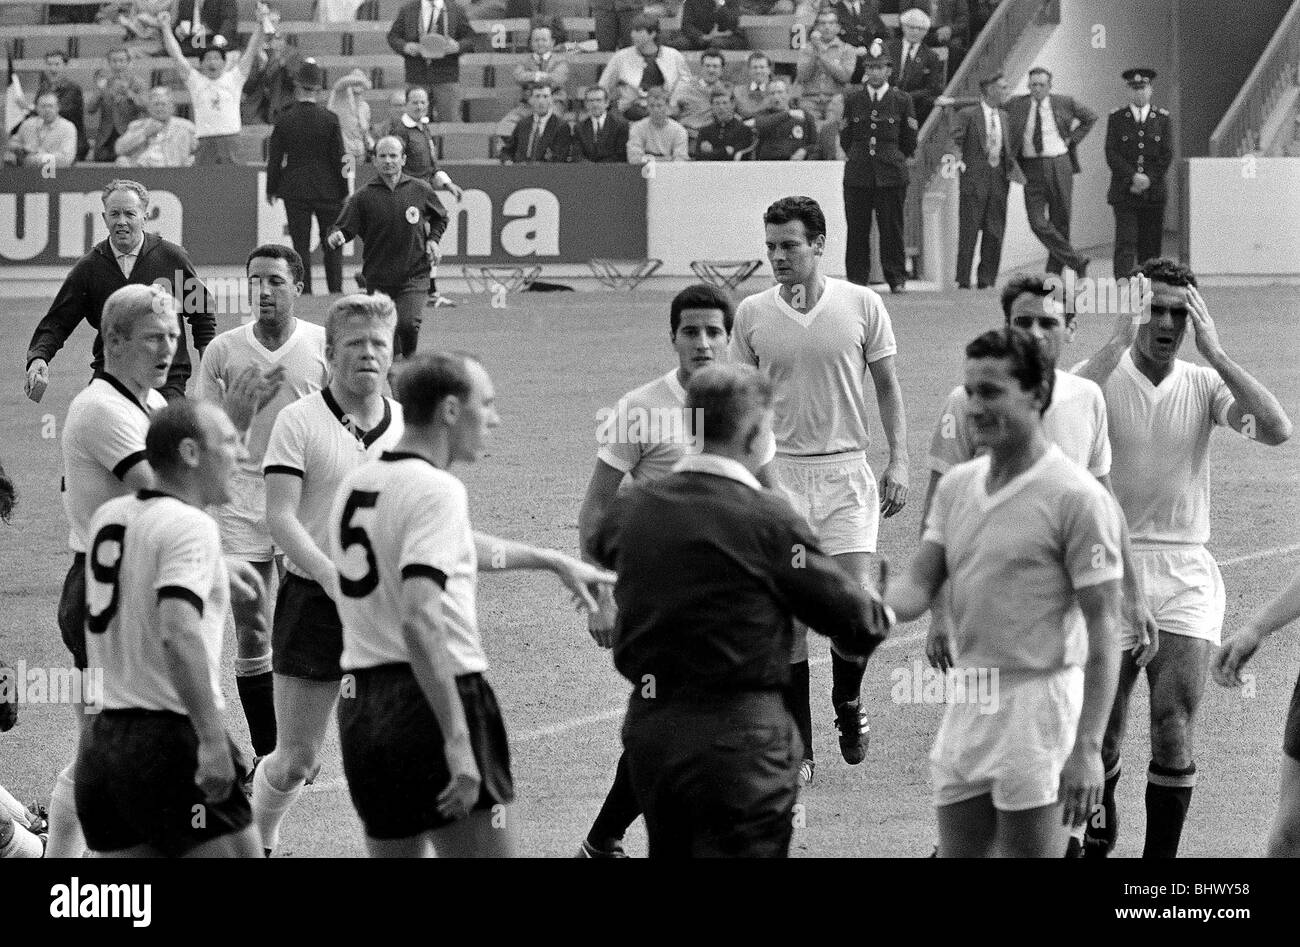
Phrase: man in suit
pixel 205 19
pixel 305 166
pixel 601 135
pixel 988 165
pixel 542 137
pixel 1046 129
pixel 860 21
pixel 269 89
pixel 951 30
pixel 1139 150
pixel 711 24
pixel 918 70
pixel 879 135
pixel 441 77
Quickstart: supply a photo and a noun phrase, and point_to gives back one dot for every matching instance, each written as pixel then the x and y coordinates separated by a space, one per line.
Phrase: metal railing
pixel 991 49
pixel 1238 131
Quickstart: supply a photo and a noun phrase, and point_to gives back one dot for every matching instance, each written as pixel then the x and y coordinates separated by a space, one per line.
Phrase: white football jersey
pixel 395 519
pixel 143 549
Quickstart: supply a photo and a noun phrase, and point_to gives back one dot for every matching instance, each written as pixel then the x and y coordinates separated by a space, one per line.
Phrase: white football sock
pixel 66 840
pixel 270 805
pixel 23 844
pixel 15 808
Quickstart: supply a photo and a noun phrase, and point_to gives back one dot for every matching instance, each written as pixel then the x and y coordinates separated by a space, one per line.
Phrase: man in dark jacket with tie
pixel 918 71
pixel 600 135
pixel 1139 150
pixel 541 137
pixel 982 149
pixel 409 37
pixel 305 166
pixel 1046 129
pixel 878 137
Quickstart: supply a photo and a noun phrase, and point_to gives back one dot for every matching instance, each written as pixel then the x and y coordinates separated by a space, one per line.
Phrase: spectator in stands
pixel 712 24
pixel 542 64
pixel 423 28
pixel 657 137
pixel 784 133
pixel 542 137
pixel 215 18
pixel 389 124
pixel 160 139
pixel 860 21
pixel 981 11
pixel 646 64
pixel 918 70
pixel 140 20
pixel 751 98
pixel 600 135
pixel 614 19
pixel 550 12
pixel 268 92
pixel 337 11
pixel 828 141
pixel 304 166
pixel 214 92
pixel 695 102
pixel 726 138
pixel 349 104
pixel 951 30
pixel 119 102
pixel 825 65
pixel 72 103
pixel 46 139
pixel 766 7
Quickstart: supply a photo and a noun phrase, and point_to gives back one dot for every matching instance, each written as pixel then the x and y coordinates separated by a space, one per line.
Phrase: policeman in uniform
pixel 1139 150
pixel 878 137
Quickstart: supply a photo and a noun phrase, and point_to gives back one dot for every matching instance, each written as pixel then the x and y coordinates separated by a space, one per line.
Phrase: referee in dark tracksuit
pixel 712 569
pixel 305 167
pixel 397 218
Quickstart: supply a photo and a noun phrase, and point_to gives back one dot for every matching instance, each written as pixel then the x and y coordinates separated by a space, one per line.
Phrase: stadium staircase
pixel 1264 118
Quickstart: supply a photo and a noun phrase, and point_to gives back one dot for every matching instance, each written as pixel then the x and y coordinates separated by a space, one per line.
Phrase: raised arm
pixel 247 60
pixel 170 44
pixel 502 555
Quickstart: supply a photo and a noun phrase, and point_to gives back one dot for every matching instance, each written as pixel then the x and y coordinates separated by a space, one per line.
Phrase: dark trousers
pixel 887 204
pixel 716 777
pixel 409 300
pixel 1049 190
pixel 299 214
pixel 983 209
pixel 614 29
pixel 1138 235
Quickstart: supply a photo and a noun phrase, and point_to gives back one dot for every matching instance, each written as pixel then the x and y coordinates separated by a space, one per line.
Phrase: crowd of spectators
pixel 663 94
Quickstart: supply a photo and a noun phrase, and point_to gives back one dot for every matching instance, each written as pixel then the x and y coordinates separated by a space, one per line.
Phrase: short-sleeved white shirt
pixel 648 432
pixel 1161 439
pixel 157 547
pixel 416 519
pixel 215 102
pixel 1075 421
pixel 817 362
pixel 1015 559
pixel 103 438
pixel 231 353
pixel 311 440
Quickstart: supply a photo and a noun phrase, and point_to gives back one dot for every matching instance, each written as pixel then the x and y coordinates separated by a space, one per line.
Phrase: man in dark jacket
pixel 541 136
pixel 1139 150
pixel 216 18
pixel 710 24
pixel 269 89
pixel 601 135
pixel 129 255
pixel 421 25
pixel 305 167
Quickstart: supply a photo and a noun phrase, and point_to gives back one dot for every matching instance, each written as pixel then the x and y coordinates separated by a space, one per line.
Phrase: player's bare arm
pixel 893 418
pixel 426 638
pixel 170 44
pixel 500 555
pixel 255 43
pixel 187 667
pixel 283 493
pixel 911 593
pixel 938 639
pixel 1136 611
pixel 1233 654
pixel 1255 411
pixel 1083 777
pixel 601 490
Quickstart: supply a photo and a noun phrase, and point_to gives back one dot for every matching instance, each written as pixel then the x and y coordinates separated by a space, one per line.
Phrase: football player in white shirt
pixel 157 595
pixel 315 443
pixel 817 339
pixel 1161 412
pixel 1031 542
pixel 424 746
pixel 254 371
pixel 641 440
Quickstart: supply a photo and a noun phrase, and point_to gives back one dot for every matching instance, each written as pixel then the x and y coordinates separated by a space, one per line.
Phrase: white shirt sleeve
pixel 936 525
pixel 286 451
pixel 621 453
pixel 115 445
pixel 950 444
pixel 187 560
pixel 434 537
pixel 878 337
pixel 740 349
pixel 1091 530
pixel 1099 457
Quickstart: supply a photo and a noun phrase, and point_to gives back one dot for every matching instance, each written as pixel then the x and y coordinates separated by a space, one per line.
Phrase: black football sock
pixel 619 811
pixel 256 696
pixel 798 699
pixel 846 679
pixel 1169 794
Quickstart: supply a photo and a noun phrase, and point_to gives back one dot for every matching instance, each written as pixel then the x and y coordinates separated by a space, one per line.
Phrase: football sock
pixel 257 698
pixel 1103 826
pixel 17 811
pixel 798 700
pixel 270 805
pixel 1169 794
pixel 619 811
pixel 20 844
pixel 846 679
pixel 66 840
pixel 433 281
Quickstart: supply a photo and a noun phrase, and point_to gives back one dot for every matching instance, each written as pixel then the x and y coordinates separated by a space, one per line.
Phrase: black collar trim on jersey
pixel 156 495
pixel 126 392
pixel 370 436
pixel 407 455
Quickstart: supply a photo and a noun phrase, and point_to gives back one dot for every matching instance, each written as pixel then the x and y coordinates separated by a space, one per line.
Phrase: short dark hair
pixel 57 52
pixel 596 88
pixel 989 80
pixel 723 394
pixel 278 251
pixel 724 93
pixel 423 381
pixel 758 55
pixel 8 495
pixel 713 53
pixel 219 50
pixel 1034 284
pixel 823 11
pixel 804 209
pixel 644 21
pixel 1029 363
pixel 167 428
pixel 700 296
pixel 1042 72
pixel 117 49
pixel 540 84
pixel 1161 269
